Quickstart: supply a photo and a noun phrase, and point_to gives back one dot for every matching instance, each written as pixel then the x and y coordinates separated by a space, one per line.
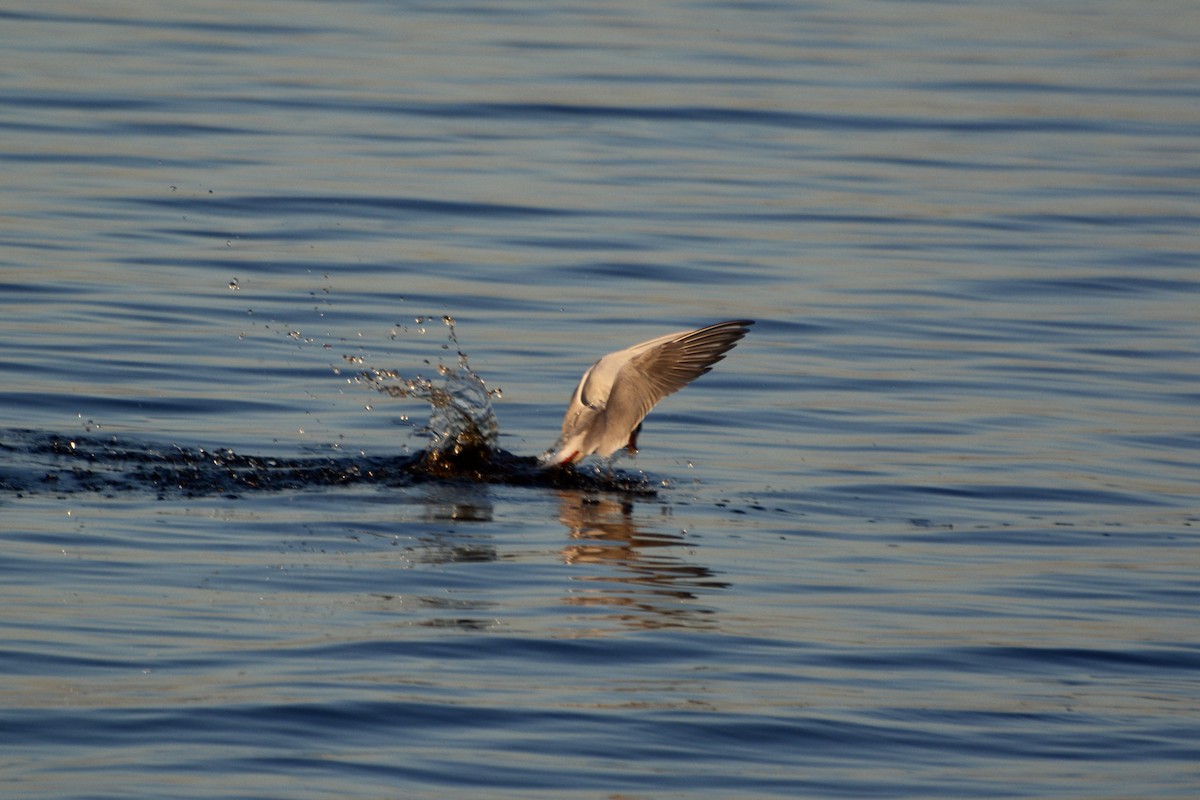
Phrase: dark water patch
pixel 242 27
pixel 78 101
pixel 174 129
pixel 1048 87
pixel 439 744
pixel 783 754
pixel 1142 259
pixel 22 661
pixel 121 406
pixel 1066 663
pixel 119 161
pixel 1056 289
pixel 1006 493
pixel 324 205
pixel 576 243
pixel 1188 441
pixel 1035 533
pixel 512 656
pixel 295 233
pixel 30 291
pixel 666 273
pixel 923 163
pixel 34 462
pixel 282 266
pixel 772 118
pixel 723 115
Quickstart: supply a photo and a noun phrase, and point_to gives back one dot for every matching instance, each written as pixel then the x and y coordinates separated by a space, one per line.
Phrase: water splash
pixel 463 432
pixel 462 426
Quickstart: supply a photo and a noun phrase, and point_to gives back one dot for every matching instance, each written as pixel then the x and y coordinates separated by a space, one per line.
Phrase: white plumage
pixel 614 396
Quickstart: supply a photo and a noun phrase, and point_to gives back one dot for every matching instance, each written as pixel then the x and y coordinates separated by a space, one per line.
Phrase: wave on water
pixel 462 445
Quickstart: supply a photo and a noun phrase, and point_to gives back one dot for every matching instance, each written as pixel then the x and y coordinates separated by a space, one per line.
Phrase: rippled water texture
pixel 928 531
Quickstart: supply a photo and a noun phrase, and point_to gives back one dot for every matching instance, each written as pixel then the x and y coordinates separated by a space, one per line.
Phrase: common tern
pixel 615 394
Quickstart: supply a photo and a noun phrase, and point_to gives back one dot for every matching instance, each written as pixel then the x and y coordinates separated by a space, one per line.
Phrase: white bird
pixel 614 396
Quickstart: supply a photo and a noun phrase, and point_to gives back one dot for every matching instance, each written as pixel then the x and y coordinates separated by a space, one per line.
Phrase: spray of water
pixel 462 426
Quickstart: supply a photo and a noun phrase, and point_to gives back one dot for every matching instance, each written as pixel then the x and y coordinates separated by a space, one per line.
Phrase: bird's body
pixel 614 396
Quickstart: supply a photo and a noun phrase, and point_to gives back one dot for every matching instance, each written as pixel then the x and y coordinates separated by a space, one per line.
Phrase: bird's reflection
pixel 641 576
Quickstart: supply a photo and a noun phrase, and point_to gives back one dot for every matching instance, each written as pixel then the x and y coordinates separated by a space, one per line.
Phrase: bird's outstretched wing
pixel 665 367
pixel 617 392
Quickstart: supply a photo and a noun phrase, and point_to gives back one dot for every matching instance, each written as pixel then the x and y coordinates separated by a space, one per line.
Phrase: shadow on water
pixel 33 462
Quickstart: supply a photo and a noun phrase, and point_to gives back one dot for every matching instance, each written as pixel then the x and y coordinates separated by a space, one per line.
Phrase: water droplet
pixel 460 413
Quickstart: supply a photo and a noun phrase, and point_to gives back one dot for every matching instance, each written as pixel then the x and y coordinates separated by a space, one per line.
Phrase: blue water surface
pixel 929 531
